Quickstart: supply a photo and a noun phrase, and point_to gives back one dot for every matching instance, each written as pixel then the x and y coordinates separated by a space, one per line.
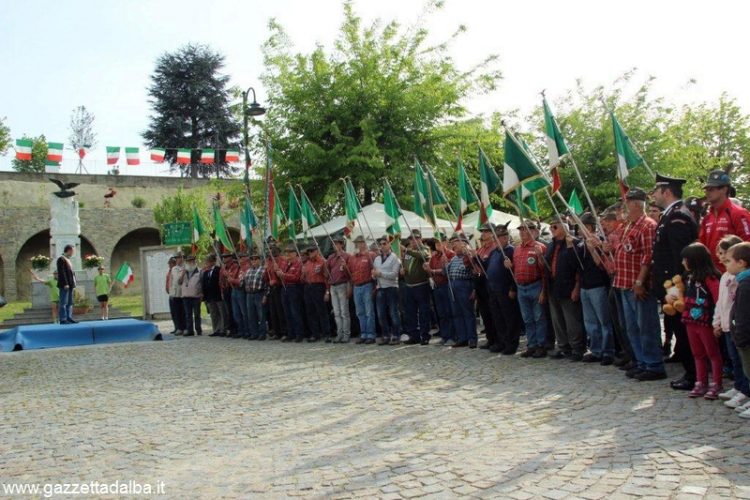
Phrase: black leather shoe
pixel 559 355
pixel 648 375
pixel 188 334
pixel 424 342
pixel 576 356
pixel 621 362
pixel 215 334
pixel 628 366
pixel 369 341
pixel 682 384
pixel 672 359
pixel 486 345
pixel 606 361
pixel 528 353
pixel 72 321
pixel 472 344
pixel 463 343
pixel 298 340
pixel 411 342
pixel 539 353
pixel 360 341
pixel 494 348
pixel 262 337
pixel 633 372
pixel 508 352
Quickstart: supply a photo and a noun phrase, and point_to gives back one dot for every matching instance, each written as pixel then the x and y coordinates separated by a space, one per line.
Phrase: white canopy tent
pixel 374 214
pixel 470 222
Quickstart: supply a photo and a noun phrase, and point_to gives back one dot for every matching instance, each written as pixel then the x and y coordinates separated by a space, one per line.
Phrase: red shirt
pixel 292 270
pixel 528 265
pixel 634 251
pixel 728 219
pixel 437 264
pixel 227 271
pixel 314 271
pixel 271 276
pixel 360 265
pixel 338 268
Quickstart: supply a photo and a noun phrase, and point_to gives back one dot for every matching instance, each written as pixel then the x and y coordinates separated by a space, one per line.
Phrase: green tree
pixel 381 97
pixel 38 156
pixel 5 138
pixel 190 100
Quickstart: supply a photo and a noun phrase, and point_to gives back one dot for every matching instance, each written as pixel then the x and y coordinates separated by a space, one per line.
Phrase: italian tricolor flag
pixel 207 156
pixel 627 157
pixel 54 152
pixel 183 156
pixel 23 149
pixel 131 155
pixel 157 155
pixel 113 154
pixel 233 156
pixel 125 275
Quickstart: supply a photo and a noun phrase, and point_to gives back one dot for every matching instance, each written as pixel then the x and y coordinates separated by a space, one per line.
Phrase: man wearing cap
pixel 190 281
pixel 361 266
pixel 276 320
pixel 503 303
pixel 613 225
pixel 442 288
pixel 175 294
pixel 341 289
pixel 229 267
pixel 212 296
pixel 565 292
pixel 487 245
pixel 723 217
pixel 595 283
pixel 386 267
pixel 632 271
pixel 316 292
pixel 676 230
pixel 256 296
pixel 461 272
pixel 290 273
pixel 528 266
pixel 417 290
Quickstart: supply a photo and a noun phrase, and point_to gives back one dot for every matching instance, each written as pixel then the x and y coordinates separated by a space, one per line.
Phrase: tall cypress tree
pixel 191 109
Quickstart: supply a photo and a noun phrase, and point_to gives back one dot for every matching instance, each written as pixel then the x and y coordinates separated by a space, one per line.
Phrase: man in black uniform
pixel 675 231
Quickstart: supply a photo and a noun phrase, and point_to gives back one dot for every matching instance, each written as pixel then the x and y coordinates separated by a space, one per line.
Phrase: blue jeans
pixel 365 310
pixel 643 330
pixel 256 315
pixel 740 379
pixel 532 314
pixel 291 301
pixel 65 308
pixel 417 305
pixel 387 303
pixel 464 319
pixel 239 311
pixel 598 321
pixel 444 307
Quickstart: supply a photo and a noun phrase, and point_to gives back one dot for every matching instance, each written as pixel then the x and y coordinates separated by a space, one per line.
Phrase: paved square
pixel 215 417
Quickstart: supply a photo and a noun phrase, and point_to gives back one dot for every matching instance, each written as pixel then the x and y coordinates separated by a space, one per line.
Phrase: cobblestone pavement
pixel 214 417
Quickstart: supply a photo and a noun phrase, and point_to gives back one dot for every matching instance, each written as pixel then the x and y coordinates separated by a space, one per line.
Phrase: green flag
pixel 465 194
pixel 520 168
pixel 221 230
pixel 438 197
pixel 627 157
pixel 575 203
pixel 392 212
pixel 556 146
pixel 489 182
pixel 308 214
pixel 527 205
pixel 420 190
pixel 248 222
pixel 351 207
pixel 198 227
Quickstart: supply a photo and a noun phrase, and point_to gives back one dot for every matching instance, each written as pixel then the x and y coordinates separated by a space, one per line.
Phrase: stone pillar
pixel 65 229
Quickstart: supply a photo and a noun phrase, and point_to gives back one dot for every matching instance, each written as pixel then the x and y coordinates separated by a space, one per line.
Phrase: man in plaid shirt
pixel 528 268
pixel 256 295
pixel 640 308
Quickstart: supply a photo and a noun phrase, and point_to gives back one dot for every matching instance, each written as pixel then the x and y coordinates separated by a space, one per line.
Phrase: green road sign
pixel 178 233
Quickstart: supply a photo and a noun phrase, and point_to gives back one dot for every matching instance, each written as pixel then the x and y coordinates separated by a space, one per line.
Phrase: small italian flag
pixel 113 154
pixel 233 156
pixel 125 274
pixel 207 156
pixel 183 156
pixel 23 149
pixel 157 155
pixel 54 152
pixel 131 155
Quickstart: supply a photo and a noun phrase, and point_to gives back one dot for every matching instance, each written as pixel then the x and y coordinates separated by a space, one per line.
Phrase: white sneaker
pixel 727 395
pixel 404 337
pixel 450 343
pixel 745 414
pixel 743 407
pixel 738 400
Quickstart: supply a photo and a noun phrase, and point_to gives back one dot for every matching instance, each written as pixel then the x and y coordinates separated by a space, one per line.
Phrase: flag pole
pixel 435 232
pixel 315 241
pixel 281 207
pixel 348 182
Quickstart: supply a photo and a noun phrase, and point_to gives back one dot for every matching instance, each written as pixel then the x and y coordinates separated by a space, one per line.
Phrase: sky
pixel 58 55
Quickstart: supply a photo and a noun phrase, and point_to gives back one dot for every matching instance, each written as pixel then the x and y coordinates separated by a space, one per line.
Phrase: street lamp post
pixel 254 109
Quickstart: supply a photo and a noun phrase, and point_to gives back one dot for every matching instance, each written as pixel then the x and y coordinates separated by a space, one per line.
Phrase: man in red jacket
pixel 723 217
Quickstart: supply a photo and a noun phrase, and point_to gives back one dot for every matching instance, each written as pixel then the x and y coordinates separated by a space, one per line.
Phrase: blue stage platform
pixel 84 333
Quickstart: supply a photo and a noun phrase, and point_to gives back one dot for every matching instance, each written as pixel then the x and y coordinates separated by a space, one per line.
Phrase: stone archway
pixel 127 249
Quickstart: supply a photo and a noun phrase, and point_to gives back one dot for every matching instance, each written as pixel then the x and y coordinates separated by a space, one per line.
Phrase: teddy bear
pixel 675 296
